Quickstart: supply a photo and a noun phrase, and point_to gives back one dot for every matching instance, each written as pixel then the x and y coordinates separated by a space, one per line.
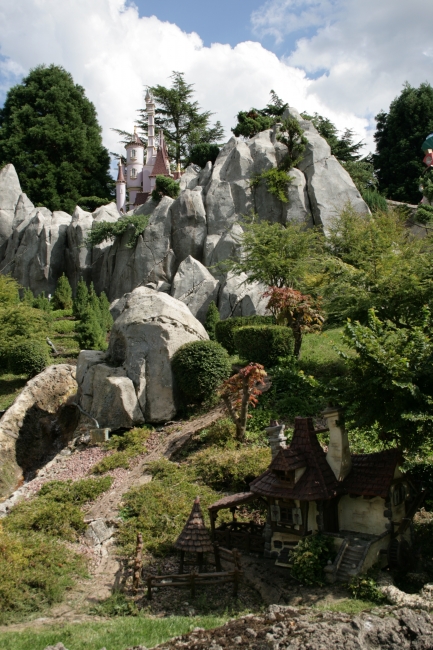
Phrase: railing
pixel 245 536
pixel 194 579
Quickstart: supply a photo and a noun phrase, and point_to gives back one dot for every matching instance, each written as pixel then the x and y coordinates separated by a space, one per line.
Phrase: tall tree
pixel 251 122
pixel 181 119
pixel 49 131
pixel 399 136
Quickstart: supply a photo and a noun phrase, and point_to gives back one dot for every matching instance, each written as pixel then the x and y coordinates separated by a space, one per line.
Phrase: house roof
pixel 318 482
pixel 135 140
pixel 370 475
pixel 120 176
pixel 162 162
pixel 232 500
pixel 194 537
pixel 141 197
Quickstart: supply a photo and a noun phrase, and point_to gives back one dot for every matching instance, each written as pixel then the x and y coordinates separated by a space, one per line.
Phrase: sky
pixel 345 59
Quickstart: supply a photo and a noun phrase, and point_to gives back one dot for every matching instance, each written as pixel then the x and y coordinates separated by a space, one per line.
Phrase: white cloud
pixel 113 53
pixel 278 18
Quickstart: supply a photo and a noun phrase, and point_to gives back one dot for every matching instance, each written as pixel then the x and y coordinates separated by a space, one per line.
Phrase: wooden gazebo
pixel 194 537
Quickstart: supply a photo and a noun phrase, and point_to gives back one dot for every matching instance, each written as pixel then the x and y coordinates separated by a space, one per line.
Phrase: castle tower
pixel 151 144
pixel 121 189
pixel 134 167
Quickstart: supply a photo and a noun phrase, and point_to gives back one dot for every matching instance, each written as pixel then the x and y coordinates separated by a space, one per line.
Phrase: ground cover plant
pixel 123 448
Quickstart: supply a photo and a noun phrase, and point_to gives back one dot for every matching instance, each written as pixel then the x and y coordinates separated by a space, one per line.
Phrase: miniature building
pixel 194 537
pixel 363 501
pixel 140 173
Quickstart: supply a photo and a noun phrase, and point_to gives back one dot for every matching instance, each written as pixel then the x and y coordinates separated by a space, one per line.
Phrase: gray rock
pixel 10 191
pixel 195 287
pixel 205 175
pixel 98 531
pixel 190 179
pixel 298 208
pixel 240 298
pixel 224 247
pixel 78 256
pixel 188 225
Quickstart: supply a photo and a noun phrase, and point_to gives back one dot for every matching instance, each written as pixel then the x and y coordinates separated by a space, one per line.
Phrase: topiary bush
pixel 224 329
pixel 199 368
pixel 212 318
pixel 263 343
pixel 28 357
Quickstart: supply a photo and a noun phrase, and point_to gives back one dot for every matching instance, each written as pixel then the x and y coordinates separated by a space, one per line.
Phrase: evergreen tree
pixel 399 136
pixel 343 148
pixel 42 302
pixel 62 298
pixel 81 301
pixel 212 318
pixel 259 119
pixel 183 123
pixel 50 133
pixel 90 335
pixel 106 317
pixel 28 297
pixel 94 302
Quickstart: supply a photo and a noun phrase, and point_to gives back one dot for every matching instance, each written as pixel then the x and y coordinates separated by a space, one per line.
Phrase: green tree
pixel 344 148
pixel 9 291
pixel 292 135
pixel 399 136
pixel 94 302
pixel 212 318
pixel 181 119
pixel 50 133
pixel 251 122
pixel 106 317
pixel 62 298
pixel 201 153
pixel 81 300
pixel 165 186
pixel 90 334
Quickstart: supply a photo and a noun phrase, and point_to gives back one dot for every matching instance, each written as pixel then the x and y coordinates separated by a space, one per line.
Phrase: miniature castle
pixel 138 176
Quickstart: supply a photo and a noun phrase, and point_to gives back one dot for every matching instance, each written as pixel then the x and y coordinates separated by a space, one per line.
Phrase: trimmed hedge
pixel 199 368
pixel 263 343
pixel 224 329
pixel 28 357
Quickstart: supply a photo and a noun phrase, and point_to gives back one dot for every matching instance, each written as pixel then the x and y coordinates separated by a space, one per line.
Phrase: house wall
pixel 374 555
pixel 312 517
pixel 362 515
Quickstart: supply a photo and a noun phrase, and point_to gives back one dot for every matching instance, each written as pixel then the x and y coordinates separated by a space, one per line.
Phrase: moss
pixel 78 492
pixel 54 519
pixel 230 469
pixel 112 461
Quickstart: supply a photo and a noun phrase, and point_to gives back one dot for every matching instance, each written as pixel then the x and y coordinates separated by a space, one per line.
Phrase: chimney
pixel 338 455
pixel 277 439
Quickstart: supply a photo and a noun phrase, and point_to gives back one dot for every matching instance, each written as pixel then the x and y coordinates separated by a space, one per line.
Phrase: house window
pixel 398 494
pixel 133 173
pixel 133 154
pixel 286 515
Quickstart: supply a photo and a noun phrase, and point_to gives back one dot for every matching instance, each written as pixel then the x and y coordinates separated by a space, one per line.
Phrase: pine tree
pixel 62 298
pixel 89 332
pixel 49 131
pixel 28 297
pixel 81 301
pixel 212 318
pixel 106 317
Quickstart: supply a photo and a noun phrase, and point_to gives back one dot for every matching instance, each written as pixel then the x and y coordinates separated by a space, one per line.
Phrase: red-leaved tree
pixel 302 313
pixel 241 391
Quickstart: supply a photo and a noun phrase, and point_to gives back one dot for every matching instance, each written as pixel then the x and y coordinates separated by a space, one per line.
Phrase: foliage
pixel 9 291
pixel 389 381
pixel 375 262
pixel 279 255
pixel 180 118
pixel 112 461
pixel 28 357
pixel 108 230
pixel 75 492
pixel 91 203
pixel 202 153
pixel 42 302
pixel 35 571
pixel 241 391
pixel 62 298
pixel 199 367
pixel 309 558
pixel 43 515
pixel 224 330
pixel 50 133
pixel 133 441
pixel 277 182
pixel 159 509
pixel 375 201
pixel 212 318
pixel 423 540
pixel 362 174
pixel 81 299
pixel 263 344
pixel 256 120
pixel 424 213
pixel 302 313
pixel 90 334
pixel 220 433
pixel 426 184
pixel 291 134
pixel 230 469
pixel 399 135
pixel 118 604
pixel 165 186
pixel 364 587
pixel 343 148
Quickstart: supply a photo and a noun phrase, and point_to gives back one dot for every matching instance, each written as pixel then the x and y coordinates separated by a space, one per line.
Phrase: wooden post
pixel 200 562
pixel 213 515
pixel 192 583
pixel 182 558
pixel 149 587
pixel 235 581
pixel 216 547
pixel 138 564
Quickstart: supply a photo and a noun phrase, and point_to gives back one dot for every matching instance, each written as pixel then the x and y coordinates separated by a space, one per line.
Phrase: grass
pixel 115 634
pixel 347 606
pixel 319 354
pixel 10 387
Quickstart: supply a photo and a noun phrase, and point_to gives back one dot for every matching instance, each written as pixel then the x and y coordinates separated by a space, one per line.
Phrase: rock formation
pixel 201 228
pixel 133 381
pixel 35 422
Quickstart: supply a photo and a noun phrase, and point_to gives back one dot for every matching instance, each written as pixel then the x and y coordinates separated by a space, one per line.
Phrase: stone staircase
pixel 352 556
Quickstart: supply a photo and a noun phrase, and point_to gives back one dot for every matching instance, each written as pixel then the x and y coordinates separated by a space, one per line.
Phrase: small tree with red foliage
pixel 241 391
pixel 302 313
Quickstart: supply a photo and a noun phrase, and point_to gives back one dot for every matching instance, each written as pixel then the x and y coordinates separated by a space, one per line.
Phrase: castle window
pixel 133 173
pixel 133 154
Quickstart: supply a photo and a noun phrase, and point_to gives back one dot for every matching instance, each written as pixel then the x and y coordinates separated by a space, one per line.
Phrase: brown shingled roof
pixel 287 460
pixel 194 538
pixel 233 500
pixel 120 176
pixel 372 474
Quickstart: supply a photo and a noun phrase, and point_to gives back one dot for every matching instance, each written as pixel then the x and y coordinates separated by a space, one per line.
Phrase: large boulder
pixel 195 286
pixel 189 226
pixel 30 429
pixel 150 328
pixel 238 297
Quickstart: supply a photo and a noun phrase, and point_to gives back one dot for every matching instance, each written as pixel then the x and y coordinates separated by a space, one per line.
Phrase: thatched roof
pixel 194 538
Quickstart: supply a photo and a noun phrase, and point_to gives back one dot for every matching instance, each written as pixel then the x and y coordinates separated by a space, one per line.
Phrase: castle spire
pixel 120 176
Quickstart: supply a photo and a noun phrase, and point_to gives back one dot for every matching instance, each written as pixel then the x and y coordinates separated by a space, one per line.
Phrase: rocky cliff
pixel 185 237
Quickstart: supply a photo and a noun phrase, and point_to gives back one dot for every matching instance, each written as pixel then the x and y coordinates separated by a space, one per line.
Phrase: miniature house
pixel 363 501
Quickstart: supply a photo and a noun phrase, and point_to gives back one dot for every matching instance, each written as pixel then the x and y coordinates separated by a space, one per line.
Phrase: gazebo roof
pixel 194 537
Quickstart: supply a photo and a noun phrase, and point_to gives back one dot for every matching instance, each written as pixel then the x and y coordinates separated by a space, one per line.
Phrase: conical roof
pixel 120 176
pixel 194 538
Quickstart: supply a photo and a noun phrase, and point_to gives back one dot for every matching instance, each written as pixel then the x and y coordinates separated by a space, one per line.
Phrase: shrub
pixel 219 433
pixel 424 213
pixel 41 302
pixel 90 203
pixel 133 441
pixel 81 299
pixel 309 558
pixel 55 519
pixel 263 344
pixel 108 230
pixel 212 318
pixel 77 492
pixel 277 183
pixel 112 461
pixel 230 469
pixel 224 329
pixel 364 587
pixel 106 317
pixel 201 153
pixel 62 298
pixel 9 291
pixel 90 335
pixel 375 201
pixel 165 186
pixel 199 368
pixel 28 357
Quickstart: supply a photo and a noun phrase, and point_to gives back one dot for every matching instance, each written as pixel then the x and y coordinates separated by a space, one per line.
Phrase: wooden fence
pixel 194 579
